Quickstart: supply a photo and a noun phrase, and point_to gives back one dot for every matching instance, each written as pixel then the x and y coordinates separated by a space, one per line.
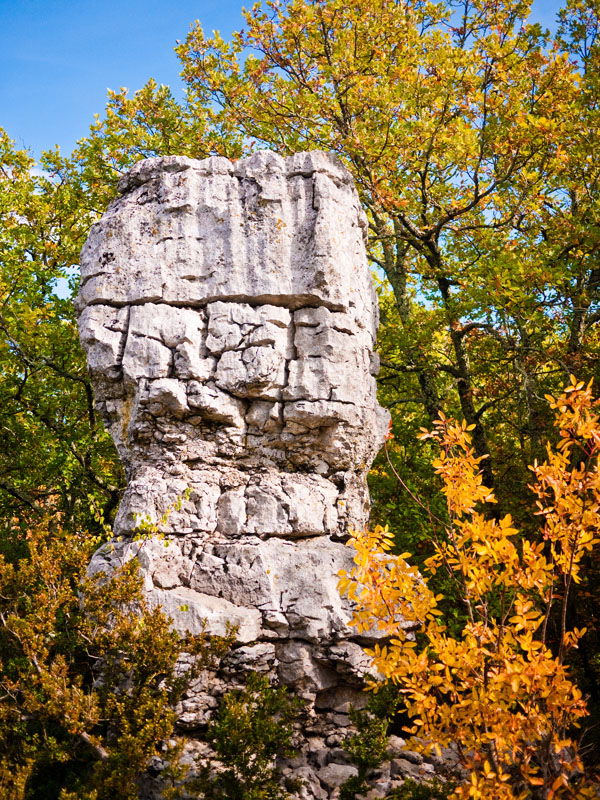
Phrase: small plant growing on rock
pixel 253 726
pixel 430 790
pixel 367 747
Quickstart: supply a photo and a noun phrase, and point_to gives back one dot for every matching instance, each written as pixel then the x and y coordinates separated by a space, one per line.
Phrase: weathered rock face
pixel 229 319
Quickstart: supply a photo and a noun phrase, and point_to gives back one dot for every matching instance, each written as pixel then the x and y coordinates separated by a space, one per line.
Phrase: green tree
pixel 54 452
pixel 450 116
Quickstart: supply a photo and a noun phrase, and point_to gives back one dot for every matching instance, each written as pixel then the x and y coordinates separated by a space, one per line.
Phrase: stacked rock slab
pixel 229 319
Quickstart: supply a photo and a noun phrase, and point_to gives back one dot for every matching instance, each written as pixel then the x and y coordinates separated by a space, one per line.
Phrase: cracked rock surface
pixel 228 316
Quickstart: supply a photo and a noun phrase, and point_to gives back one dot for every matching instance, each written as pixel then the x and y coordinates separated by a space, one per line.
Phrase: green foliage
pixel 252 727
pixel 54 453
pixel 431 790
pixel 87 675
pixel 367 747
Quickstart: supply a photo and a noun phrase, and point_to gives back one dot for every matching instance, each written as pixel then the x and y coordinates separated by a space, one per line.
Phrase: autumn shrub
pixel 501 691
pixel 87 675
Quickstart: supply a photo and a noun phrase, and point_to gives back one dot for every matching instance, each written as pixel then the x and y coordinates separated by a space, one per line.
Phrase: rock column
pixel 229 320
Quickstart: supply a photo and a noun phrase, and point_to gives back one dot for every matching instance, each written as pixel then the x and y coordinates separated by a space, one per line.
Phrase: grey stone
pixel 196 234
pixel 341 698
pixel 403 768
pixel 256 658
pixel 298 668
pixel 337 755
pixel 229 320
pixel 380 789
pixel 166 396
pixel 396 744
pixel 334 775
pixel 311 788
pixel 412 756
pixel 379 773
pixel 215 405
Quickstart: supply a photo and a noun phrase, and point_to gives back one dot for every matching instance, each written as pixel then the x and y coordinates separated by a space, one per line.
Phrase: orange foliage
pixel 500 691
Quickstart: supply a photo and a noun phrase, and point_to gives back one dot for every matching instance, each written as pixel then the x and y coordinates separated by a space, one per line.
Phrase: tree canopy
pixel 470 132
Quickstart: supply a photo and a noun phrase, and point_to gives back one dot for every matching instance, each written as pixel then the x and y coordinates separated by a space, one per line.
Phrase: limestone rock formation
pixel 229 320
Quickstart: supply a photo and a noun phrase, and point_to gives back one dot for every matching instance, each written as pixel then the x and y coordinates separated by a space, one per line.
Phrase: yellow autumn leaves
pixel 500 690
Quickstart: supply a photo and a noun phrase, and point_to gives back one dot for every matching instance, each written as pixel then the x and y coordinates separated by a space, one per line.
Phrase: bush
pixel 87 675
pixel 500 690
pixel 252 727
pixel 367 747
pixel 432 790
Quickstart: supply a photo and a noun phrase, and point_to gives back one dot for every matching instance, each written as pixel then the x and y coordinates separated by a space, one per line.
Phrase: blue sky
pixel 58 57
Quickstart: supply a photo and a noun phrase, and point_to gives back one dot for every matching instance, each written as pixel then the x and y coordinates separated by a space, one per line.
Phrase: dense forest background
pixel 472 137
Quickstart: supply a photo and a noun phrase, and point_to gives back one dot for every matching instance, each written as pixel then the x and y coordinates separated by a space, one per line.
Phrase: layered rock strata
pixel 229 320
